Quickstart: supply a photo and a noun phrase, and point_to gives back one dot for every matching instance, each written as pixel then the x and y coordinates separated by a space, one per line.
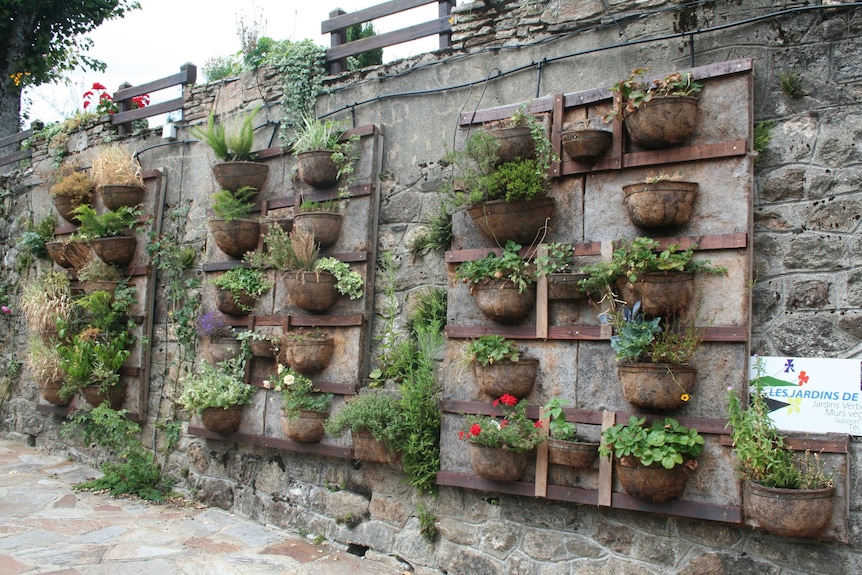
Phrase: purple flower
pixel 212 325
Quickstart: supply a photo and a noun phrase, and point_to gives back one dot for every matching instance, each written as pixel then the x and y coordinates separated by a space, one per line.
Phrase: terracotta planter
pixel 65 205
pixel 99 285
pixel 307 356
pixel 57 251
pixel 115 396
pixel 235 237
pixel 520 221
pixel 660 205
pixel 227 303
pixel 116 196
pixel 499 464
pixel 317 168
pixel 499 300
pixel 565 287
pixel 220 349
pixel 656 386
pixel 585 145
pixel 118 250
pixel 324 226
pixel 306 428
pixel 78 254
pixel 51 393
pixel 505 376
pixel 790 512
pixel 222 420
pixel 311 291
pixel 366 448
pixel 661 293
pixel 234 175
pixel 653 482
pixel 663 122
pixel 514 143
pixel 572 453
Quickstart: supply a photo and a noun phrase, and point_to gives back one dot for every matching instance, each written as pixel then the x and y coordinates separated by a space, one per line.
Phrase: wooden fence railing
pixel 339 21
pixel 7 159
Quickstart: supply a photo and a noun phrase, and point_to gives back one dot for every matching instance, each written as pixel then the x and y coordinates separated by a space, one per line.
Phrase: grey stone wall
pixel 806 298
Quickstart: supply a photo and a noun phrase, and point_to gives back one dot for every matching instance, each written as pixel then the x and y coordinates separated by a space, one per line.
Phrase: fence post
pixel 124 106
pixel 444 10
pixel 337 38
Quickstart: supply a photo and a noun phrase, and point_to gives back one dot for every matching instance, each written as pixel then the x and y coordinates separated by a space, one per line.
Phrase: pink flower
pixel 6 310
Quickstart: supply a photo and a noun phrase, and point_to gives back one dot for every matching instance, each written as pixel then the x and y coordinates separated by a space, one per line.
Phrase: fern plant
pixel 110 224
pixel 231 206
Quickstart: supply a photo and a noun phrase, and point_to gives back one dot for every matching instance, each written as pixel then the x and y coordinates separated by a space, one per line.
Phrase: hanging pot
pixel 57 251
pixel 515 142
pixel 324 226
pixel 116 196
pixel 656 386
pixel 660 204
pixel 572 453
pixel 78 253
pixel 564 286
pixel 66 205
pixel 499 300
pixel 307 427
pixel 661 294
pixel 311 291
pixel 51 392
pixel 235 237
pixel 663 122
pixel 366 448
pixel 308 355
pixel 653 482
pixel 521 221
pixel 317 168
pixel 114 395
pixel 220 349
pixel 117 250
pixel 227 303
pixel 585 145
pixel 498 464
pixel 261 348
pixel 516 378
pixel 222 420
pixel 790 512
pixel 234 175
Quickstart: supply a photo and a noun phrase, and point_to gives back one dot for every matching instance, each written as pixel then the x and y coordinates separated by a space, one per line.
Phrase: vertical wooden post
pixel 444 10
pixel 541 484
pixel 606 470
pixel 124 106
pixel 542 299
pixel 337 38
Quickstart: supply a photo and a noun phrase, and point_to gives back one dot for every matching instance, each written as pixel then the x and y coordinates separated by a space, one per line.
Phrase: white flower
pixel 267 384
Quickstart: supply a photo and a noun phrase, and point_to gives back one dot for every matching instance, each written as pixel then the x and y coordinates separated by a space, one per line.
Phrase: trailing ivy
pixel 302 65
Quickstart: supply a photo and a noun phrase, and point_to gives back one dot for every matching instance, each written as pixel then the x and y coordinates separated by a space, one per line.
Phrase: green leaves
pixel 489 349
pixel 510 266
pixel 231 206
pixel 665 442
pixel 218 385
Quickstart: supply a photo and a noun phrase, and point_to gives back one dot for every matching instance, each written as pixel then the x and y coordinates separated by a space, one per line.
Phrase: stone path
pixel 47 527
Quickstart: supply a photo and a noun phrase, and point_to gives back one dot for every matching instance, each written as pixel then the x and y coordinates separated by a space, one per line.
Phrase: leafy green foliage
pixel 762 136
pixel 298 393
pixel 218 385
pixel 558 427
pixel 365 59
pixel 221 67
pixel 241 280
pixel 97 270
pixel 110 224
pixel 665 442
pixel 638 339
pixel 232 142
pixel 634 91
pixel 376 412
pixel 509 266
pixel 635 334
pixel 36 235
pixel 317 135
pixel 559 258
pixel 347 281
pixel 489 349
pixel 427 523
pixel 231 206
pixel 439 234
pixel 791 85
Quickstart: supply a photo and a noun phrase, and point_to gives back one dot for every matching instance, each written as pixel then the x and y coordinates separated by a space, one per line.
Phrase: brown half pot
pixel 572 453
pixel 227 304
pixel 118 250
pixel 306 428
pixel 366 448
pixel 653 482
pixel 663 122
pixel 515 142
pixel 516 378
pixel 499 300
pixel 235 237
pixel 307 356
pixel 116 196
pixel 498 464
pixel 660 205
pixel 317 168
pixel 324 226
pixel 656 386
pixel 234 175
pixel 520 221
pixel 222 420
pixel 587 145
pixel 311 291
pixel 115 396
pixel 790 512
pixel 661 294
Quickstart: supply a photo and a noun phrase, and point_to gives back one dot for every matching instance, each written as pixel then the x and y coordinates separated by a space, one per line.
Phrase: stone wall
pixel 806 297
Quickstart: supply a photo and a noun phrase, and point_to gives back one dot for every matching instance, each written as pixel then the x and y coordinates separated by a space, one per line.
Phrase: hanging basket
pixel 235 237
pixel 311 291
pixel 57 251
pixel 117 250
pixel 317 168
pixel 515 142
pixel 220 349
pixel 366 448
pixel 790 512
pixel 115 396
pixel 234 175
pixel 66 205
pixel 116 196
pixel 656 386
pixel 305 428
pixel 661 294
pixel 324 226
pixel 50 391
pixel 516 378
pixel 586 145
pixel 663 122
pixel 565 286
pixel 227 303
pixel 520 221
pixel 499 300
pixel 308 355
pixel 498 464
pixel 661 204
pixel 653 482
pixel 572 453
pixel 222 420
pixel 78 253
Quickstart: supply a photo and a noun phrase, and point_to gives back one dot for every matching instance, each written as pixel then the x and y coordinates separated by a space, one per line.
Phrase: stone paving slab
pixel 47 528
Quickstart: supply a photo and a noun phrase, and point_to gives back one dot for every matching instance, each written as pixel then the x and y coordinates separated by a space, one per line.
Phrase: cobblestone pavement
pixel 47 527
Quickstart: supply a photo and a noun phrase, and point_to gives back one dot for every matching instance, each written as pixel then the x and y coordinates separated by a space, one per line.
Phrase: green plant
pixel 558 427
pixel 74 184
pixel 662 176
pixel 294 252
pixel 97 270
pixel 114 165
pixel 761 451
pixel 232 142
pixel 762 136
pixel 515 432
pixel 231 206
pixel 633 258
pixel 347 281
pixel 298 393
pixel 302 65
pixel 635 91
pixel 665 442
pixel 110 224
pixel 94 356
pixel 36 235
pixel 331 206
pixel 427 523
pixel 558 258
pixel 47 301
pixel 509 266
pixel 317 134
pixel 791 85
pixel 246 337
pixel 241 280
pixel 221 386
pixel 438 236
pixel 376 412
pixel 488 349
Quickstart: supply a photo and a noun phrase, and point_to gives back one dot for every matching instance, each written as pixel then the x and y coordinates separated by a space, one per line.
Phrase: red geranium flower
pixel 509 400
pixel 475 429
pixel 98 86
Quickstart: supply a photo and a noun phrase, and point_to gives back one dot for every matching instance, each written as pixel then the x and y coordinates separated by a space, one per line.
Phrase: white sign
pixel 812 394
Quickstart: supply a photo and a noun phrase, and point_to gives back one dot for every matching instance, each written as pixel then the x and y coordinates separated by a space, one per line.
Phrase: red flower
pixel 461 435
pixel 803 378
pixel 86 103
pixel 538 424
pixel 509 400
pixel 504 423
pixel 475 429
pixel 97 86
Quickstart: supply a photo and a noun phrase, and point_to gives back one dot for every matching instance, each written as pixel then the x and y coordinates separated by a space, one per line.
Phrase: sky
pixel 155 41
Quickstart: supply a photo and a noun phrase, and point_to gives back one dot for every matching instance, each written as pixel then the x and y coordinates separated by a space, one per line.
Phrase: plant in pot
pixel 556 261
pixel 256 344
pixel 660 201
pixel 657 113
pixel 232 144
pixel 785 494
pixel 97 275
pixel 585 140
pixel 564 448
pixel 323 155
pixel 33 243
pixel 306 352
pixel 219 337
pixel 653 462
pixel 376 422
pixel 520 137
pixel 45 365
pixel 238 289
pixel 218 393
pixel 72 189
pixel 500 368
pixel 109 233
pixel 46 303
pixel 500 449
pixel 504 286
pixel 232 230
pixel 305 407
pixel 663 281
pixel 322 219
pixel 117 176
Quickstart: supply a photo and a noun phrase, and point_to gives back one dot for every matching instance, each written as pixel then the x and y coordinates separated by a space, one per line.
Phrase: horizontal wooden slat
pixel 691 509
pixel 16 157
pixel 372 13
pixel 15 138
pixel 511 332
pixel 275 443
pixel 685 154
pixel 300 320
pixel 348 257
pixel 186 75
pixel 147 111
pixel 827 442
pixel 536 106
pixel 438 26
pixel 576 332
